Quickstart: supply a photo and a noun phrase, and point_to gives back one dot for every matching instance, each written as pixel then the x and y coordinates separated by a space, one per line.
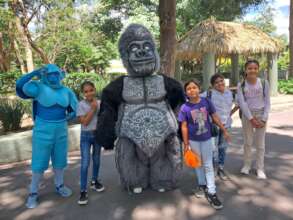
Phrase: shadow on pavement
pixel 244 197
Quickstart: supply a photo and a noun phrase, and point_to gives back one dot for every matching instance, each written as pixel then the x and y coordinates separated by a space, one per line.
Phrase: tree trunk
pixel 22 27
pixel 291 39
pixel 167 14
pixel 28 50
pixel 19 59
pixel 39 50
pixel 5 58
pixel 2 55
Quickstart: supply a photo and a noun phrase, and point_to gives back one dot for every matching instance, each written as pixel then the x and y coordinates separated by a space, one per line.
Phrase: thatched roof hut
pixel 211 38
pixel 224 38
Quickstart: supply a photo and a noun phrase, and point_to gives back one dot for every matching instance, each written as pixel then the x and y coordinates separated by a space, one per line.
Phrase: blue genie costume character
pixel 53 105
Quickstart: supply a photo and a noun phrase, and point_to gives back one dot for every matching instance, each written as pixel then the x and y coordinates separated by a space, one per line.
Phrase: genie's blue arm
pixel 72 108
pixel 22 81
pixel 70 114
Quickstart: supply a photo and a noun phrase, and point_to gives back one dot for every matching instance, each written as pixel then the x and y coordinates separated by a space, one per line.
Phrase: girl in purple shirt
pixel 194 117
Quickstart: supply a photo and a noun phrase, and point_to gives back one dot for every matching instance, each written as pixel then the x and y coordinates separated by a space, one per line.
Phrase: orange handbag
pixel 192 159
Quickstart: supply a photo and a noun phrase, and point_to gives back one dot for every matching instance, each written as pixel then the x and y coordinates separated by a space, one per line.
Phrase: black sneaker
pixel 222 174
pixel 214 201
pixel 97 186
pixel 83 199
pixel 200 191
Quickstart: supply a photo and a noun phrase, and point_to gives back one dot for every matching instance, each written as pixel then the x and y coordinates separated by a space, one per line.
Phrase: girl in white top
pixel 87 115
pixel 254 103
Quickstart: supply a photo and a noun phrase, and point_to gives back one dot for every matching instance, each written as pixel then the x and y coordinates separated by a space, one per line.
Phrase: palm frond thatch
pixel 225 38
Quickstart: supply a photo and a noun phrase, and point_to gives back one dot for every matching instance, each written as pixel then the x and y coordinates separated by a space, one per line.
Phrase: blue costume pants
pixel 49 141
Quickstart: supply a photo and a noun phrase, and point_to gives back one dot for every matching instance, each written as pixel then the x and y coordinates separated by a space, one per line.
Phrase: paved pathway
pixel 244 197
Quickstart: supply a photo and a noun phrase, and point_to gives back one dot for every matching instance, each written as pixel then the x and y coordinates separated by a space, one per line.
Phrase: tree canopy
pixel 82 35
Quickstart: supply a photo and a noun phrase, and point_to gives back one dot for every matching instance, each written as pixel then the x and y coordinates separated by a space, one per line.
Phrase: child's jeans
pixel 221 146
pixel 88 139
pixel 205 173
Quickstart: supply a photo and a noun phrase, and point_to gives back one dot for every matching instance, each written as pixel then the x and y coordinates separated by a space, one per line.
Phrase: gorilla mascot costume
pixel 137 109
pixel 53 105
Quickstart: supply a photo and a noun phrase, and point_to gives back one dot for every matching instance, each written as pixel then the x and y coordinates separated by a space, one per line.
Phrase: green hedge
pixel 285 86
pixel 12 111
pixel 72 80
pixel 7 82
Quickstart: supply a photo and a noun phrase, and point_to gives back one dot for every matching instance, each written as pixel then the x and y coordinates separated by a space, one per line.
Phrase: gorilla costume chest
pixel 145 117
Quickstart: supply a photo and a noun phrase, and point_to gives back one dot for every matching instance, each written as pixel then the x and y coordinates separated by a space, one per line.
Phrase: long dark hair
pixel 249 62
pixel 87 83
pixel 215 77
pixel 191 81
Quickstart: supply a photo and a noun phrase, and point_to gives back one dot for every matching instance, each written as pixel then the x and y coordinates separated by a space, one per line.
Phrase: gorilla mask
pixel 138 52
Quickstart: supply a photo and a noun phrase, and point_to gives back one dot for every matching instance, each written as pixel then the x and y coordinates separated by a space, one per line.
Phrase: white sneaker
pixel 137 190
pixel 261 174
pixel 161 190
pixel 245 170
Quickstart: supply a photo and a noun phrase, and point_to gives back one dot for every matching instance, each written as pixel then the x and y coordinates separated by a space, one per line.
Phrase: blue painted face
pixel 52 79
pixel 52 76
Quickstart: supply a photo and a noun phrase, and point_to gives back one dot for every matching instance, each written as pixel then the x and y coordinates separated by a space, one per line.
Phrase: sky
pixel 281 15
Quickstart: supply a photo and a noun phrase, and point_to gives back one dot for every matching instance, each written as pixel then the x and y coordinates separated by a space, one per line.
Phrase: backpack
pixel 263 84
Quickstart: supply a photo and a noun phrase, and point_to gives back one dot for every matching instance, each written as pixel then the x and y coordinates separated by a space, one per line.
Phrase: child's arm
pixel 218 122
pixel 85 120
pixel 184 131
pixel 267 102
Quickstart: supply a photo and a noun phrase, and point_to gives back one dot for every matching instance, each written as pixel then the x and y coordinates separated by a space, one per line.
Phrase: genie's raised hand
pixel 39 72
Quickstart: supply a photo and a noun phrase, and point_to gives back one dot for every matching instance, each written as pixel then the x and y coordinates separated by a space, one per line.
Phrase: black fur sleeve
pixel 107 117
pixel 175 93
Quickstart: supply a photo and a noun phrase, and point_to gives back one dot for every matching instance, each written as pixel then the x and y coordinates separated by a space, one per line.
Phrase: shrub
pixel 74 81
pixel 285 86
pixel 11 113
pixel 7 82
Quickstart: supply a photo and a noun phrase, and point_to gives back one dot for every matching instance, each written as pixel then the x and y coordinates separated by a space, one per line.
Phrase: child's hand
pixel 186 147
pixel 262 124
pixel 94 104
pixel 227 136
pixel 255 123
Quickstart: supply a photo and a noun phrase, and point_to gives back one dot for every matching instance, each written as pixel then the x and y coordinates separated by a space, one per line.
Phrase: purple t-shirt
pixel 197 118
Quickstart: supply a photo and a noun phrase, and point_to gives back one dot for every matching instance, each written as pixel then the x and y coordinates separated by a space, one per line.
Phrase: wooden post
pixel 273 73
pixel 235 69
pixel 209 68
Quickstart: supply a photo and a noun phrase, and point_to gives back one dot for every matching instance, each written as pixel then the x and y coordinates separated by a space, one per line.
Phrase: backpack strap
pixel 209 93
pixel 242 89
pixel 263 84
